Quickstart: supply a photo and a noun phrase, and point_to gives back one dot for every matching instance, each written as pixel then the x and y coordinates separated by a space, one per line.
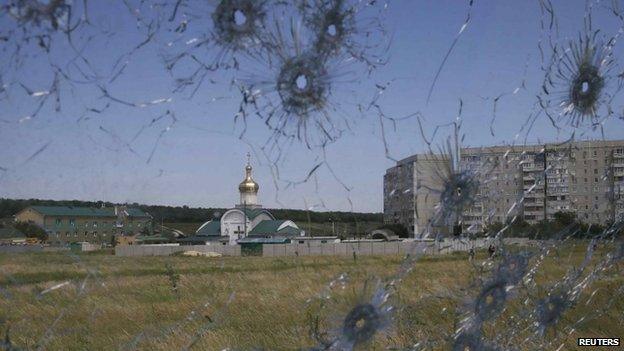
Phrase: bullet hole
pixel 302 85
pixel 491 300
pixel 238 24
pixel 361 324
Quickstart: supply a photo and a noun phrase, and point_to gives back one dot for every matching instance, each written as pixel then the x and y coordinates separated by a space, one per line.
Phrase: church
pixel 246 222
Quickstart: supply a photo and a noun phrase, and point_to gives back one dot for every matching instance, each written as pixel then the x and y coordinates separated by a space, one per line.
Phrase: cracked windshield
pixel 311 175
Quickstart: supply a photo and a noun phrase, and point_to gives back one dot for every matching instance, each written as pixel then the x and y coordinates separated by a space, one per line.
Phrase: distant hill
pixel 185 214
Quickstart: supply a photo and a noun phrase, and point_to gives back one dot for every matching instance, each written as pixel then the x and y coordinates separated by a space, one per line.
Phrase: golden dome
pixel 248 185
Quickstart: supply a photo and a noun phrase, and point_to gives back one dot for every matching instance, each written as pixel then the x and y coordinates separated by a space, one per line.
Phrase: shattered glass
pixel 131 99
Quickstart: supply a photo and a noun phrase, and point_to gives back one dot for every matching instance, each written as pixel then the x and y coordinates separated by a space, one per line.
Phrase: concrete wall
pixel 325 249
pixel 87 247
pixel 30 248
pixel 157 250
pixel 382 248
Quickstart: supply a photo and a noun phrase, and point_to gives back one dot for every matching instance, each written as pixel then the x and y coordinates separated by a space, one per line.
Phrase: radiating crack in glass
pixel 450 49
pixel 343 27
pixel 296 100
pixel 293 65
pixel 580 81
pixel 229 31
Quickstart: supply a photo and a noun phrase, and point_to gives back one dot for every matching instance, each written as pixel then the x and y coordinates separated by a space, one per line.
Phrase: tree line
pixel 563 224
pixel 181 214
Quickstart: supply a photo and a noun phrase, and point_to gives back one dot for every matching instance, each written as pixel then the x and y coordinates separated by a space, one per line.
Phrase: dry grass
pixel 128 303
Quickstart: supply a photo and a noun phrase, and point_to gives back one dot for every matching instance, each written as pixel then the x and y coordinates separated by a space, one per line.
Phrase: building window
pixel 94 224
pixel 72 222
pixel 58 222
pixel 86 224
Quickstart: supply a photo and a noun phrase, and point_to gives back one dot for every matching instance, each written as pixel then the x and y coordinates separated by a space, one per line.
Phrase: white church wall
pixel 248 198
pixel 233 225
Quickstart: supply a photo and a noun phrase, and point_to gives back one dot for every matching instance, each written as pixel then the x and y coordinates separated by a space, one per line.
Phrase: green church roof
pixel 271 227
pixel 252 240
pixel 203 239
pixel 289 231
pixel 212 228
pixel 266 227
pixel 252 213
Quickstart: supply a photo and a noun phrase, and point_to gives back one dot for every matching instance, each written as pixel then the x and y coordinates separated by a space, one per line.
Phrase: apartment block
pixel 532 182
pixel 410 195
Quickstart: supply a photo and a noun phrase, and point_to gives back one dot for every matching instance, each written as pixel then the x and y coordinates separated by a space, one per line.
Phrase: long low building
pixel 532 182
pixel 65 224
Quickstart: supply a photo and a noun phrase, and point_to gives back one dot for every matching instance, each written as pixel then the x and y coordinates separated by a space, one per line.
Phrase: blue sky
pixel 199 160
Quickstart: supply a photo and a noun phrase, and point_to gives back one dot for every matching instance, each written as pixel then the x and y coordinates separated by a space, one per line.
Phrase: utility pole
pixel 245 216
pixel 456 166
pixel 415 198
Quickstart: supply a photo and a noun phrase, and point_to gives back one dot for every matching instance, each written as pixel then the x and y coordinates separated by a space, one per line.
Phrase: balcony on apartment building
pixel 530 201
pixel 534 214
pixel 533 189
pixel 533 195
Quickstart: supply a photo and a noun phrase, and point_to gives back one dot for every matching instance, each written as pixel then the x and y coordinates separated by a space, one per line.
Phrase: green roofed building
pixel 275 228
pixel 247 220
pixel 67 224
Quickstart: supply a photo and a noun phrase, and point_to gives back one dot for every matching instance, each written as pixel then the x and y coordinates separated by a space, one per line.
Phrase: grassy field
pixel 252 303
